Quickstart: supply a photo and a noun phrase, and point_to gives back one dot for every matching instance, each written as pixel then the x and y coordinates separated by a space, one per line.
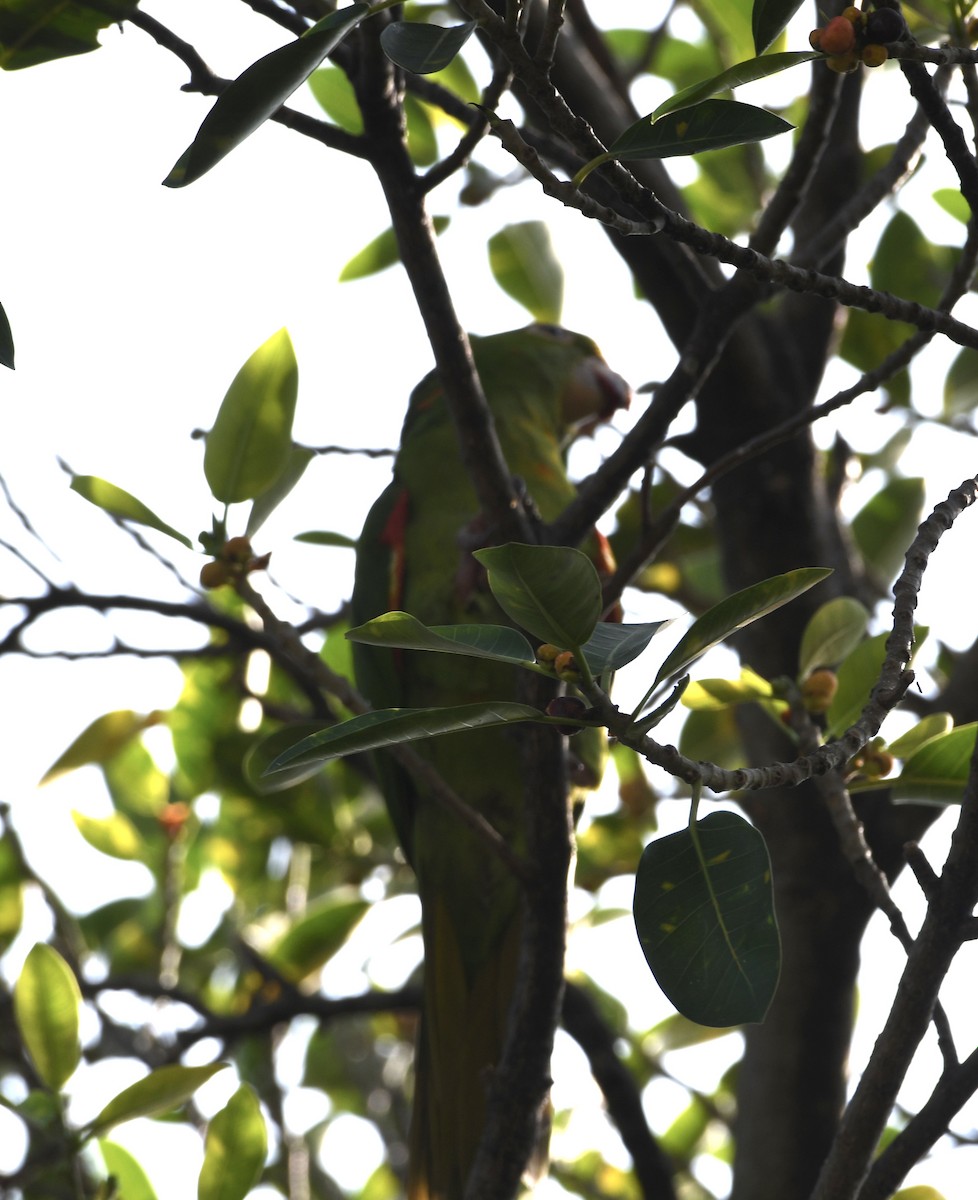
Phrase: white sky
pixel 133 306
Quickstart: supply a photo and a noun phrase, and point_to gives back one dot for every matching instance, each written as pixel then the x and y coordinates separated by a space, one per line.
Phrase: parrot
pixel 544 386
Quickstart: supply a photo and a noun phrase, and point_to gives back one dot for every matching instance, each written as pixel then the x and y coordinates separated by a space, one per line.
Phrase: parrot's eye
pixel 553 331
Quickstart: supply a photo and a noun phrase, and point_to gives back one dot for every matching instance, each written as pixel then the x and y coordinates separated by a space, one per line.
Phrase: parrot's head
pixel 592 393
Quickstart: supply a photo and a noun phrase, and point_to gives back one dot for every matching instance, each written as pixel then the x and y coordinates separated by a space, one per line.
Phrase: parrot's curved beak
pixel 593 397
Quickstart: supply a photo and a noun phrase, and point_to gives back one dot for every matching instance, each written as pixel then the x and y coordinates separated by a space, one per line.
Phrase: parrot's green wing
pixel 543 386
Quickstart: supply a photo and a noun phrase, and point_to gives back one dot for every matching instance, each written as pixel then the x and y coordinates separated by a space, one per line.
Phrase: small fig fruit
pixel 567 706
pixel 838 37
pixel 214 574
pixel 818 690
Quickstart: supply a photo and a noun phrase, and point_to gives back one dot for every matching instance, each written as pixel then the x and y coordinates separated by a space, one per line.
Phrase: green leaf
pixel 552 591
pixel 37 31
pixel 712 695
pixel 745 72
pixel 234 1149
pixel 422 48
pixel 129 1176
pixel 250 446
pixel 315 937
pixel 261 89
pixel 523 263
pixel 857 677
pixel 499 643
pixel 706 920
pixel 164 1089
pixel 381 253
pixel 954 204
pixel 710 125
pixel 391 726
pixel 265 504
pixel 938 771
pixel 961 385
pixel 115 835
pixel 613 646
pixel 6 341
pixel 334 94
pixel 769 18
pixel 932 726
pixel 258 760
pixel 46 1005
pixel 121 504
pixel 834 631
pixel 738 610
pixel 102 740
pixel 885 526
pixel 324 537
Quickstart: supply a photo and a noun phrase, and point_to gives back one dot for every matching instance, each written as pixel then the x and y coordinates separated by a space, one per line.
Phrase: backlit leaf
pixel 161 1090
pixel 834 631
pixel 122 504
pixel 523 263
pixel 745 72
pixel 47 1000
pixel 250 446
pixel 37 31
pixel 234 1149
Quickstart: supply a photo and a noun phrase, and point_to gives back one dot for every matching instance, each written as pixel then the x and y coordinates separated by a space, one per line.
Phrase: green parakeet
pixel 543 385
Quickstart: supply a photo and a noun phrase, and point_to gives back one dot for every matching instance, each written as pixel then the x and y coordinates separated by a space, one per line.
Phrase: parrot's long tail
pixel 463 1027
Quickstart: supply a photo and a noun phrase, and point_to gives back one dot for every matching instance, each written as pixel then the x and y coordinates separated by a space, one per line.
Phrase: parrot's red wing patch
pixel 392 536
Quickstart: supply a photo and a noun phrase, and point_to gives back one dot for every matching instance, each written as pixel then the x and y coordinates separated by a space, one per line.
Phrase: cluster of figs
pixel 857 37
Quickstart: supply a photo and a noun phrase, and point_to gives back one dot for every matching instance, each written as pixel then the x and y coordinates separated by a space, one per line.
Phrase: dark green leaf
pixel 769 18
pixel 738 610
pixel 523 263
pixel 122 504
pixel 47 1001
pixel 37 31
pixel 710 125
pixel 234 1149
pixel 552 591
pixel 265 86
pixel 390 726
pixel 161 1090
pixel 6 341
pixel 707 924
pixel 884 528
pixel 422 48
pixel 613 646
pixel 381 253
pixel 259 758
pixel 497 642
pixel 834 631
pixel 745 72
pixel 250 447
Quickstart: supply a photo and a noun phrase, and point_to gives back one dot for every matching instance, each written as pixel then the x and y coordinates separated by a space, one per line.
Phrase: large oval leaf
pixel 163 1089
pixel 234 1149
pixel 612 646
pixel 391 726
pixel 129 1176
pixel 315 936
pixel 257 92
pixel 250 446
pixel 523 263
pixel 47 1000
pixel 102 740
pixel 735 612
pixel 705 918
pixel 551 591
pixel 499 643
pixel 422 48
